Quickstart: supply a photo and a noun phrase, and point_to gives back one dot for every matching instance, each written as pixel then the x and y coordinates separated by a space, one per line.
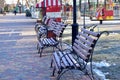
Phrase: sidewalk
pixel 18 53
pixel 19 59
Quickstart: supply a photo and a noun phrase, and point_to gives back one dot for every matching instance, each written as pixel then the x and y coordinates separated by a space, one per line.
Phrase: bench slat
pixel 64 60
pixel 84 40
pixel 84 46
pixel 86 37
pixel 49 41
pixel 57 58
pixel 90 32
pixel 46 21
pixel 45 41
pixel 68 59
pixel 43 19
pixel 80 54
pixel 85 53
pixel 52 41
pixel 73 60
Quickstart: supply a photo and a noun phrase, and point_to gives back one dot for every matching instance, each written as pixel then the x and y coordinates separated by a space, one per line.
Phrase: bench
pixel 38 25
pixel 41 28
pixel 78 56
pixel 57 29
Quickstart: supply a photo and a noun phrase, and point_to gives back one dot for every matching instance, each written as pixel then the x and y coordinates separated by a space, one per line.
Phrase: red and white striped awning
pixel 40 4
pixel 52 3
pixel 47 3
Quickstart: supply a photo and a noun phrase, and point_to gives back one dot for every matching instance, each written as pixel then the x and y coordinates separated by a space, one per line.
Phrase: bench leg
pixel 61 73
pixel 89 73
pixel 37 46
pixel 51 65
pixel 91 68
pixel 53 73
pixel 40 51
pixel 61 47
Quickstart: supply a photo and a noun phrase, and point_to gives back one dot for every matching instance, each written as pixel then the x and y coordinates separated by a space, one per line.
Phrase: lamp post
pixel 35 1
pixel 84 14
pixel 74 25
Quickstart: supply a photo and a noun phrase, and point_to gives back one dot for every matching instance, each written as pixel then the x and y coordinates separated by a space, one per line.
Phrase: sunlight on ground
pixel 23 33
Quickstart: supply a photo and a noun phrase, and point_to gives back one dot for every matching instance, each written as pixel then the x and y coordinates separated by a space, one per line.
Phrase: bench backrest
pixel 59 28
pixel 52 23
pixel 43 19
pixel 84 44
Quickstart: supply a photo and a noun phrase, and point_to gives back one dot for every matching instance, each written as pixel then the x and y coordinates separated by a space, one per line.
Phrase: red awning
pixel 52 3
pixel 40 4
pixel 37 5
pixel 47 3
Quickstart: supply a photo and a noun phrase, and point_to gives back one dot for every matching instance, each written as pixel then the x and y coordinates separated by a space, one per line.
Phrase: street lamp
pixel 74 25
pixel 35 1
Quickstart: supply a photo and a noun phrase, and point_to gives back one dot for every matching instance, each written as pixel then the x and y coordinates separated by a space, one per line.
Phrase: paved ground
pixel 18 54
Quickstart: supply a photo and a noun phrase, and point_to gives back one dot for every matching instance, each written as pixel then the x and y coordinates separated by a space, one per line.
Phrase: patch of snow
pixel 99 74
pixel 101 64
pixel 114 33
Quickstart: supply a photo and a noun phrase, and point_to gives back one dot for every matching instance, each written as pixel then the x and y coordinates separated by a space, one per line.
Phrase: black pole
pixel 97 3
pixel 74 25
pixel 80 5
pixel 35 1
pixel 104 4
pixel 84 15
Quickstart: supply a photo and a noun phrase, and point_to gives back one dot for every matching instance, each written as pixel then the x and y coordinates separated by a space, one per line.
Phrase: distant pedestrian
pixel 4 13
pixel 91 12
pixel 15 12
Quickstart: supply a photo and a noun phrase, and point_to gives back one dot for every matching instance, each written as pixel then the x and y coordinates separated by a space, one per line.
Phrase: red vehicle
pixel 105 11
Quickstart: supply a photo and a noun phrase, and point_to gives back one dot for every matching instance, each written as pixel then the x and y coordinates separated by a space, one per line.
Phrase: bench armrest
pixel 104 32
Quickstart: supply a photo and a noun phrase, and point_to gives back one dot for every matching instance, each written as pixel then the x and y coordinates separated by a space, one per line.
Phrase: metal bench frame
pixel 57 28
pixel 41 28
pixel 80 55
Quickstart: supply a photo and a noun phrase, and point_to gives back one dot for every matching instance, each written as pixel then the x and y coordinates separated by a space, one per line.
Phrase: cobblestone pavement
pixel 18 55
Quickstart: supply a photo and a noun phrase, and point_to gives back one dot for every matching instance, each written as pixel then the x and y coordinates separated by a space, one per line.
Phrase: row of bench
pixel 77 57
pixel 49 33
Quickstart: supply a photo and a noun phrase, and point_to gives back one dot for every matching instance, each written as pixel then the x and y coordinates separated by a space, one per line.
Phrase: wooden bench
pixel 57 28
pixel 41 28
pixel 44 22
pixel 78 57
